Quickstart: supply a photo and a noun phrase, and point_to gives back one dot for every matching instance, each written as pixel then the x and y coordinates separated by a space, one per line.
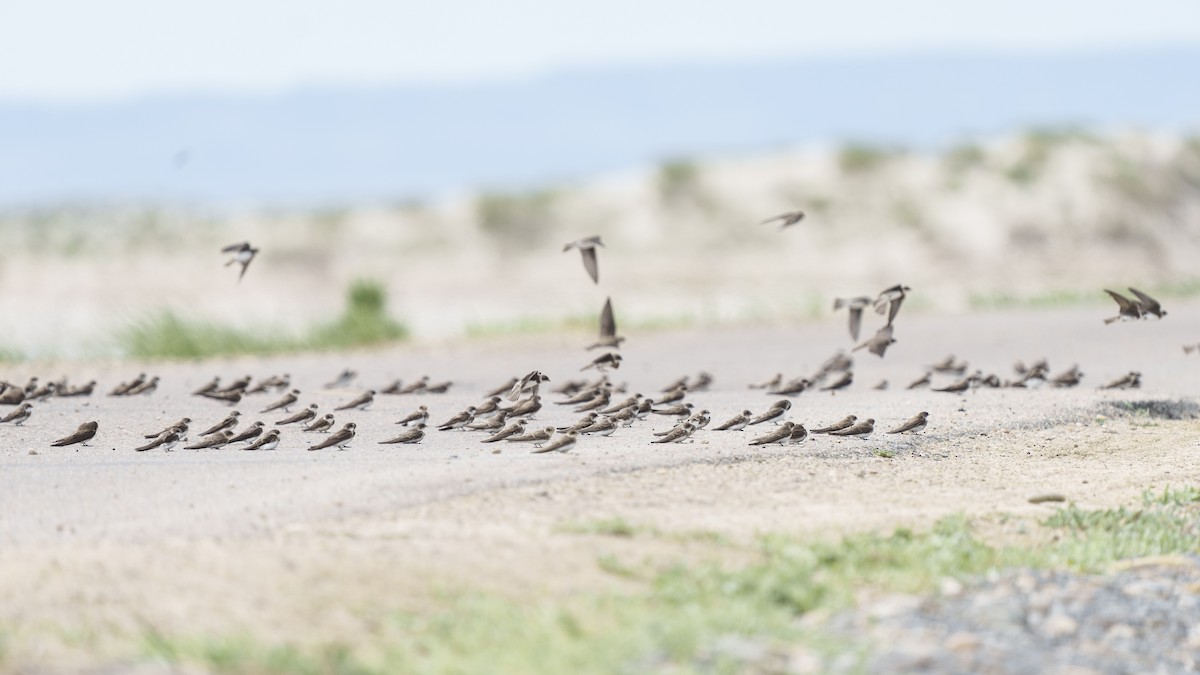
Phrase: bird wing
pixel 589 263
pixel 245 266
pixel 608 325
pixel 1126 305
pixel 1148 304
pixel 894 309
pixel 234 248
pixel 855 322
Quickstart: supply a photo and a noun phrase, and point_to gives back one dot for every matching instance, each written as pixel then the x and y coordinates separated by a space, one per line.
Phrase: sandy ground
pixel 98 543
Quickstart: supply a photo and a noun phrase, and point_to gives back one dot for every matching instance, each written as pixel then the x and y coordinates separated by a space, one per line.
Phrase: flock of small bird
pixel 507 411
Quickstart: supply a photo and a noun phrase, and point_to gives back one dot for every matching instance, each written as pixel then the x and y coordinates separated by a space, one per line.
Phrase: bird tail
pixel 1108 321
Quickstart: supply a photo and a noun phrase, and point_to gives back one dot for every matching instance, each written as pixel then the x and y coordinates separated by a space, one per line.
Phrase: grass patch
pixel 168 335
pixel 682 611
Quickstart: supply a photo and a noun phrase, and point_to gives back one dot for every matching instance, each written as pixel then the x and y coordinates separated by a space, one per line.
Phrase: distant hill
pixel 339 145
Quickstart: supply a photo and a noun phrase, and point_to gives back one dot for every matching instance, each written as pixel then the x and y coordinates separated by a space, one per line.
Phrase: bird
pixel 1147 304
pixel 603 426
pixel 781 434
pixel 411 435
pixel 165 441
pixel 488 408
pixel 774 413
pixel 526 408
pixel 844 423
pixel 844 381
pixel 515 429
pixel 922 381
pixel 1132 380
pixel 677 434
pixel 1127 310
pixel 587 248
pixel 914 424
pixel 492 423
pixel 12 396
pixel 18 416
pixel 214 441
pixel 889 300
pixel 562 443
pixel 242 253
pixel 227 423
pixel 584 422
pixel 269 441
pixel 672 395
pixel 957 387
pixel 415 387
pixel 123 388
pixel 1069 378
pixel 537 437
pixel 1188 349
pixel 181 424
pixel 855 307
pixel 84 433
pixel 879 343
pixel 212 386
pixel 322 424
pixel 949 366
pixel 340 438
pixel 343 379
pixel 273 382
pixel 787 218
pixel 362 402
pixel 737 422
pixel 604 362
pixel 420 416
pixel 608 329
pixel 439 388
pixel 285 402
pixel 619 406
pixel 793 388
pixel 239 385
pixel 600 401
pixel 682 410
pixel 249 433
pixel 799 433
pixel 769 384
pixel 460 420
pixel 859 429
pixel 531 382
pixel 302 416
pixel 231 397
pixel 146 388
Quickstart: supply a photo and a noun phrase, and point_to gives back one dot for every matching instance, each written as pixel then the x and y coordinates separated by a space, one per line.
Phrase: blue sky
pixel 73 50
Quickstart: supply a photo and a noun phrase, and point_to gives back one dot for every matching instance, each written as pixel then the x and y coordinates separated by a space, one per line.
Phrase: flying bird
pixel 587 248
pixel 787 219
pixel 340 438
pixel 242 254
pixel 604 362
pixel 531 382
pixel 1127 310
pixel 914 425
pixel 1147 304
pixel 889 300
pixel 855 307
pixel 84 433
pixel 608 329
pixel 879 343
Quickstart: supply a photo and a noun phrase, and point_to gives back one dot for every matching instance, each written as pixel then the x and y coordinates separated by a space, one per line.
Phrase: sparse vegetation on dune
pixel 677 613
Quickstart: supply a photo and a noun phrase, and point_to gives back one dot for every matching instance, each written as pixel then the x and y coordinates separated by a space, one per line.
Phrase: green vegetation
pixel 1064 297
pixel 861 158
pixel 168 335
pixel 672 622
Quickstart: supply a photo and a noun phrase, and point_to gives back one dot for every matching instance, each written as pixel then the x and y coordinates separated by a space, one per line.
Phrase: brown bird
pixel 677 434
pixel 123 388
pixel 587 248
pixel 855 307
pixel 1147 304
pixel 769 384
pixel 1132 380
pixel 84 433
pixel 361 402
pixel 322 425
pixel 780 435
pixel 737 422
pixel 860 429
pixel 879 343
pixel 914 425
pixel 268 442
pixel 799 433
pixel 844 381
pixel 608 329
pixel 165 441
pixel 526 408
pixel 182 423
pixel 562 443
pixel 412 435
pixel 212 386
pixel 18 416
pixel 420 415
pixel 230 397
pixel 515 429
pixel 215 441
pixel 249 433
pixel 146 388
pixel 531 383
pixel 536 437
pixel 957 387
pixel 773 414
pixel 227 423
pixel 844 423
pixel 1127 310
pixel 793 388
pixel 922 381
pixel 303 416
pixel 787 218
pixel 243 253
pixel 285 402
pixel 889 300
pixel 340 438
pixel 460 420
pixel 491 423
pixel 502 389
pixel 585 422
pixel 604 362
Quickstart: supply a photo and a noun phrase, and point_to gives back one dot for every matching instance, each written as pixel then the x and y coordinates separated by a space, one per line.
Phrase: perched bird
pixel 268 442
pixel 420 416
pixel 242 254
pixel 515 429
pixel 587 248
pixel 231 397
pixel 303 416
pixel 18 416
pixel 603 426
pixel 855 307
pixel 792 388
pixel 844 381
pixel 562 443
pixel 249 433
pixel 526 408
pixel 344 379
pixel 124 388
pixel 439 388
pixel 146 388
pixel 322 424
pixel 1127 310
pixel 957 387
pixel 536 437
pixel 460 420
pixel 681 410
pixel 737 422
pixel 412 435
pixel 227 423
pixel 769 384
pixel 780 434
pixel 608 329
pixel 603 363
pixel 799 433
pixel 340 438
pixel 774 414
pixel 677 434
pixel 600 401
pixel 84 433
pixel 787 219
pixel 212 386
pixel 1132 380
pixel 491 423
pixel 922 381
pixel 502 389
pixel 361 402
pixel 1188 349
pixel 585 422
pixel 487 408
pixel 181 424
pixel 1069 378
pixel 215 441
pixel 416 387
pixel 12 396
pixel 914 425
pixel 165 441
pixel 859 429
pixel 85 390
pixel 673 395
pixel 45 391
pixel 616 407
pixel 239 386
pixel 588 395
pixel 1147 304
pixel 531 382
pixel 889 300
pixel 844 423
pixel 285 402
pixel 273 382
pixel 879 343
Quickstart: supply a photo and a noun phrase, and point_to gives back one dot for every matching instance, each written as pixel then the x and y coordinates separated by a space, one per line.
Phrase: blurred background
pixel 411 170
